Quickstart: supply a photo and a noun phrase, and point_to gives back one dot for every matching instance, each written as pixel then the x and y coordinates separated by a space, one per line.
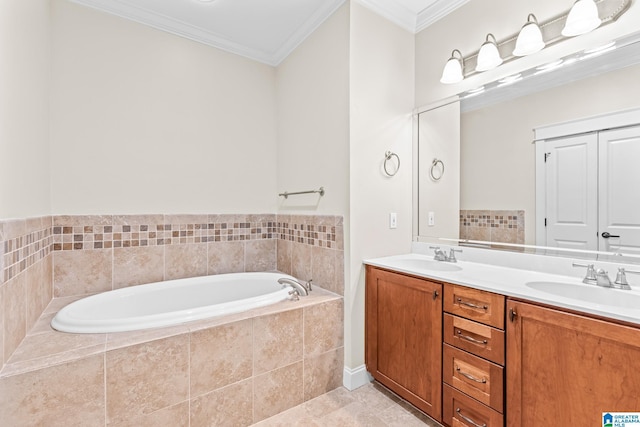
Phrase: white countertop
pixel 513 282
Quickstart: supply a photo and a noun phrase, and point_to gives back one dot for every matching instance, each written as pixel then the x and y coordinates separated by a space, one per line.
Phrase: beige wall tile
pixel 323 327
pixel 228 406
pixel 15 313
pixel 189 260
pixel 147 377
pixel 2 328
pixel 323 373
pixel 51 342
pixel 284 256
pixel 71 394
pixel 82 272
pixel 81 220
pixel 277 340
pixel 324 268
pixel 172 416
pixel 260 255
pixel 277 391
pixel 221 356
pixel 225 257
pixel 36 283
pixel 301 261
pixel 137 266
pixel 153 219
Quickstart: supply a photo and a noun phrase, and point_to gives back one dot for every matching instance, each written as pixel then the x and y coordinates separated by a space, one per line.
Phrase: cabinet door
pixel 404 337
pixel 566 369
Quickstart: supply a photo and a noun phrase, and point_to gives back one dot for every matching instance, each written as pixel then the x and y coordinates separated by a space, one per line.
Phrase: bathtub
pixel 170 302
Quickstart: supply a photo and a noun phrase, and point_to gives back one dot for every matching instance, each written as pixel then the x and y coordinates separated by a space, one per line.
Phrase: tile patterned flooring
pixel 368 406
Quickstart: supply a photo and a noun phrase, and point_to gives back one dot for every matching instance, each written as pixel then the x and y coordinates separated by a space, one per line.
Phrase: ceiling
pixel 263 30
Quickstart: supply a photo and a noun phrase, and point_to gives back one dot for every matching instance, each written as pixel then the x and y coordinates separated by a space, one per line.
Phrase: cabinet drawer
pixel 481 306
pixel 479 378
pixel 459 410
pixel 474 337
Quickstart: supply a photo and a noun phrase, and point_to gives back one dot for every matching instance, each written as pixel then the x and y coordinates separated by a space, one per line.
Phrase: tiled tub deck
pixel 233 370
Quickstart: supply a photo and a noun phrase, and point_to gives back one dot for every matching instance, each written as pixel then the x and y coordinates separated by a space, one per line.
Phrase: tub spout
pixel 300 288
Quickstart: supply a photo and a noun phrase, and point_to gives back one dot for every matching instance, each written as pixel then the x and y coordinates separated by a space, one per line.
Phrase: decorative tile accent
pixel 21 250
pixel 505 226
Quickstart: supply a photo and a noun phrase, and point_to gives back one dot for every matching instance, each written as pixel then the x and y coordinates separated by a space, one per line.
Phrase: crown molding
pixel 171 25
pixel 394 12
pixel 435 12
pixel 329 7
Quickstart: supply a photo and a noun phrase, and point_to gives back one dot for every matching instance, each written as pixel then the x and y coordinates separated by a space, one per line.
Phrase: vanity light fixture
pixel 583 18
pixel 452 72
pixel 489 55
pixel 530 38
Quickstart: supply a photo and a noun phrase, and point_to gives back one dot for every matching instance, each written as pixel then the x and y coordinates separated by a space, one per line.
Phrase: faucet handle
pixel 621 278
pixel 452 255
pixel 590 278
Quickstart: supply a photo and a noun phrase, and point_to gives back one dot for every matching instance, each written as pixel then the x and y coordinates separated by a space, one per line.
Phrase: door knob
pixel 606 235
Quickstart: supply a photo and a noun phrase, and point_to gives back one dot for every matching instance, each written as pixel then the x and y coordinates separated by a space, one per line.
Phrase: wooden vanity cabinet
pixel 567 369
pixel 473 357
pixel 403 336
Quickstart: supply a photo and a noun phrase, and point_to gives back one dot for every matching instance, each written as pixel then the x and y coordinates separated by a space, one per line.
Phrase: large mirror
pixel 487 191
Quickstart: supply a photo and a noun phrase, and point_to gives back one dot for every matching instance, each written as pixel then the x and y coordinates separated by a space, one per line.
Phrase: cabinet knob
pixel 512 315
pixel 436 294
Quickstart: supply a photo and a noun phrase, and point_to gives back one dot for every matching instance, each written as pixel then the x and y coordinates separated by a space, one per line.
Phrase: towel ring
pixel 433 166
pixel 387 156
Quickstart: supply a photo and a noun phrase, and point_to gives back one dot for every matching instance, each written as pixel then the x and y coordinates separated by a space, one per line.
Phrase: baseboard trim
pixel 356 377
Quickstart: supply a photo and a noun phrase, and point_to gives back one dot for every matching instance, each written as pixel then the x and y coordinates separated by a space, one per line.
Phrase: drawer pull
pixel 471 377
pixel 468 338
pixel 472 305
pixel 469 420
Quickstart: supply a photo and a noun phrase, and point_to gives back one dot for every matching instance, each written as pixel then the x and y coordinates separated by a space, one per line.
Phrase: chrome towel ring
pixel 387 156
pixel 433 170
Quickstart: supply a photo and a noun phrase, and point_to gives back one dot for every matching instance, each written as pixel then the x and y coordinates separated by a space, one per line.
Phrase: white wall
pixel 382 99
pixel 498 161
pixel 25 64
pixel 313 120
pixel 144 121
pixel 439 138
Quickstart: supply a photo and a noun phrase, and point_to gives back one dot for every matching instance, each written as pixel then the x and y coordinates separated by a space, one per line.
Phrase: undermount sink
pixel 589 293
pixel 426 264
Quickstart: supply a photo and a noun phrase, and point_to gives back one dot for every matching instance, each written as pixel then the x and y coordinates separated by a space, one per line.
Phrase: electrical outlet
pixel 431 221
pixel 393 220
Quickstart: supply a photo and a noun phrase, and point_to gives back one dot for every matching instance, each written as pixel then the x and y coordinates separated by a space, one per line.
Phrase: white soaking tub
pixel 171 302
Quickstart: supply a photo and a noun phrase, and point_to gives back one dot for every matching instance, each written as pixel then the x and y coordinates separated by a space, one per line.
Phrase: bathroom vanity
pixel 474 344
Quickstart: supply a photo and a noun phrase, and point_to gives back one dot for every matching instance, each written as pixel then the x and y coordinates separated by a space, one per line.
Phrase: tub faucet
pixel 302 289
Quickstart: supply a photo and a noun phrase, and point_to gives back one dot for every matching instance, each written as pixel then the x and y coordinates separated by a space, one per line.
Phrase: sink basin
pixel 589 293
pixel 425 264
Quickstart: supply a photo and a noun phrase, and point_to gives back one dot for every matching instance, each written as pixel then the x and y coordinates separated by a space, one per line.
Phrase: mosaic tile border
pixel 23 243
pixel 499 226
pixel 18 253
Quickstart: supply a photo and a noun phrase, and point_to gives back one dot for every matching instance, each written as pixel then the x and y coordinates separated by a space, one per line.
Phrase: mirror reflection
pixel 490 195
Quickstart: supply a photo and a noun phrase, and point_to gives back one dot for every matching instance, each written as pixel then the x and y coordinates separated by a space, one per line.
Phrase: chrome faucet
pixel 299 289
pixel 601 278
pixel 440 255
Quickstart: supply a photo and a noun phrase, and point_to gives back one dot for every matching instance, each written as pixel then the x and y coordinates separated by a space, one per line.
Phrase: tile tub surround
pixel 25 278
pixel 85 254
pixel 503 226
pixel 235 370
pixel 99 253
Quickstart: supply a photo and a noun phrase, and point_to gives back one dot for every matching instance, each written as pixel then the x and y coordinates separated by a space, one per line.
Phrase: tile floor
pixel 369 406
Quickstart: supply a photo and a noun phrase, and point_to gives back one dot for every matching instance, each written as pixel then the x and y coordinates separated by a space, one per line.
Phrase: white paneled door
pixel 571 166
pixel 619 190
